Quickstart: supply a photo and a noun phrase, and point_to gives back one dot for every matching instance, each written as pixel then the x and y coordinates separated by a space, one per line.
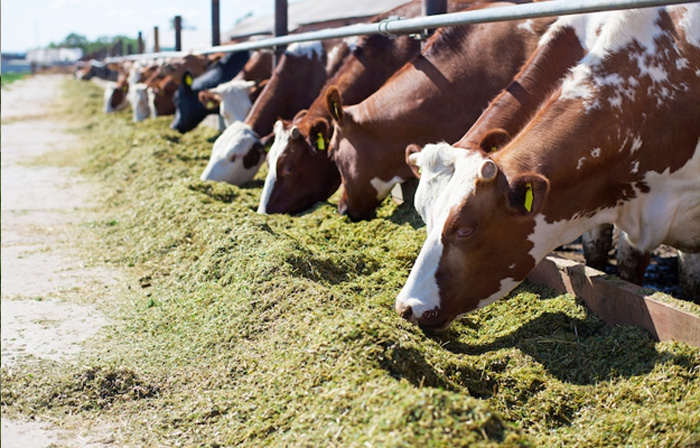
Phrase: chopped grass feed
pixel 239 329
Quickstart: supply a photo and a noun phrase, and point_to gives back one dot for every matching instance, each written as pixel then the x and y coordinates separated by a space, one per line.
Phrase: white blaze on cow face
pixel 109 91
pixel 235 99
pixel 448 177
pixel 229 156
pixel 138 97
pixel 280 143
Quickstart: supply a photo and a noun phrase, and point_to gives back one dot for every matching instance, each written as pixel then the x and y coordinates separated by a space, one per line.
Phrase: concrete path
pixel 48 288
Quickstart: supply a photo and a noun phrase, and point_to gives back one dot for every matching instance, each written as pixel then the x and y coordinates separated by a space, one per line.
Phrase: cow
pixel 434 97
pixel 306 64
pixel 233 98
pixel 189 112
pixel 618 141
pixel 145 104
pixel 301 172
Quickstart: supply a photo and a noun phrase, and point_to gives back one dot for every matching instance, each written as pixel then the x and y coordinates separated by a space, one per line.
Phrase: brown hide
pixel 434 98
pixel 596 152
pixel 293 86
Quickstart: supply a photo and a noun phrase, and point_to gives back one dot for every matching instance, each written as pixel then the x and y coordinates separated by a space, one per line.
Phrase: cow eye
pixel 464 232
pixel 287 170
pixel 232 158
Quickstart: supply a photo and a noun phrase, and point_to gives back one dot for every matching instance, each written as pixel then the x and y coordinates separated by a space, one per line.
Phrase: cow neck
pixel 436 89
pixel 283 97
pixel 539 76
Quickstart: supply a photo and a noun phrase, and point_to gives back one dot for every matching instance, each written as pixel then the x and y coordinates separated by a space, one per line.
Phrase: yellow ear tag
pixel 335 108
pixel 528 197
pixel 321 143
pixel 188 80
pixel 493 149
pixel 210 104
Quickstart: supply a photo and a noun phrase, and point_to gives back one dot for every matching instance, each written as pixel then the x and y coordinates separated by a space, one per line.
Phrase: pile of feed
pixel 239 329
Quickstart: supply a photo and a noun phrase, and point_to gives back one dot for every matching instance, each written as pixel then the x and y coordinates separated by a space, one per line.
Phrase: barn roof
pixel 312 11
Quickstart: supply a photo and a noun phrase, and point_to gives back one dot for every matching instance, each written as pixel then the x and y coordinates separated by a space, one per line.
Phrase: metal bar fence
pixel 396 26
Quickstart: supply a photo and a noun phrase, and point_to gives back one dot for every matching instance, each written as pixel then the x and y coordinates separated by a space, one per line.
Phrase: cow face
pixel 189 112
pixel 160 97
pixel 478 223
pixel 236 156
pixel 360 162
pixel 138 97
pixel 115 96
pixel 233 99
pixel 303 174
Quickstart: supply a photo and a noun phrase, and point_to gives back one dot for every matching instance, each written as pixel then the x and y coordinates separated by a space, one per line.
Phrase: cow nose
pixel 342 208
pixel 406 312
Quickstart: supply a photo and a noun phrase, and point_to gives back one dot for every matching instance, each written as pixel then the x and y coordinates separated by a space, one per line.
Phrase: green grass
pixel 237 329
pixel 9 78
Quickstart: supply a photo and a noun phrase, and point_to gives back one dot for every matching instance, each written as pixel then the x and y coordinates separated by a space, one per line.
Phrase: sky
pixel 31 24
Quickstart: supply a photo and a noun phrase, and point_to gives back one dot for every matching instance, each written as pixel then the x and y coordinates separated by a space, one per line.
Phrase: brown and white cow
pixel 434 97
pixel 618 142
pixel 297 79
pixel 301 171
pixel 562 46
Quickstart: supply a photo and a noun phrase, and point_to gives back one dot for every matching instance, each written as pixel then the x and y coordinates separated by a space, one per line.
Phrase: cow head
pixel 354 150
pixel 115 96
pixel 236 156
pixel 478 222
pixel 232 99
pixel 189 112
pixel 160 97
pixel 138 97
pixel 301 173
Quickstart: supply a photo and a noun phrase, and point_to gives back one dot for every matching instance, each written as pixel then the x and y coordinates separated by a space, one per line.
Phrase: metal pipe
pixel 394 27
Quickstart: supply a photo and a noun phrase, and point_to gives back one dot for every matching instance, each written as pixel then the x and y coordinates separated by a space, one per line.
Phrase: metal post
pixel 215 29
pixel 432 7
pixel 280 27
pixel 140 39
pixel 156 42
pixel 178 33
pixel 129 49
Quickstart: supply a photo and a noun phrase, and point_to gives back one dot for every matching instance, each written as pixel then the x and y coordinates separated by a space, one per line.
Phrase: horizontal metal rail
pixel 396 26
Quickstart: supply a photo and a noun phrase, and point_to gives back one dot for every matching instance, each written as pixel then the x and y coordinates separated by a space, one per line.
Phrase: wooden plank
pixel 616 301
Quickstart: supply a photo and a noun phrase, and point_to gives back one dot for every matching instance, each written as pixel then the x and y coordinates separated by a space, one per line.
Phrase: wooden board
pixel 616 301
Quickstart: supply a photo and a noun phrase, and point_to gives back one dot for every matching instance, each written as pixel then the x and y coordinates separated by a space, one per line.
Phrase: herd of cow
pixel 524 134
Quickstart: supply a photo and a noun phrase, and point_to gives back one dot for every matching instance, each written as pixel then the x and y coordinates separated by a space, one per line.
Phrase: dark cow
pixel 618 141
pixel 189 112
pixel 301 172
pixel 434 97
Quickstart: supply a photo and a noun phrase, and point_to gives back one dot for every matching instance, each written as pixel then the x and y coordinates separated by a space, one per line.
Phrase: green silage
pixel 238 329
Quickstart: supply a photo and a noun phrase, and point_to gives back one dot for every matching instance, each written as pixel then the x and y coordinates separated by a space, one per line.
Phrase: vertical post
pixel 129 49
pixel 178 33
pixel 215 29
pixel 140 42
pixel 120 47
pixel 156 42
pixel 430 8
pixel 280 26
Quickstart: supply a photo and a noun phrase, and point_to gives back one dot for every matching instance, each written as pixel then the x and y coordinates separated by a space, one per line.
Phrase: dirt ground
pixel 49 289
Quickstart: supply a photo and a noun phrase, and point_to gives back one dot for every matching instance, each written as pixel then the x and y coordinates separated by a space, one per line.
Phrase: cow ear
pixel 527 194
pixel 413 159
pixel 187 80
pixel 334 103
pixel 494 140
pixel 319 135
